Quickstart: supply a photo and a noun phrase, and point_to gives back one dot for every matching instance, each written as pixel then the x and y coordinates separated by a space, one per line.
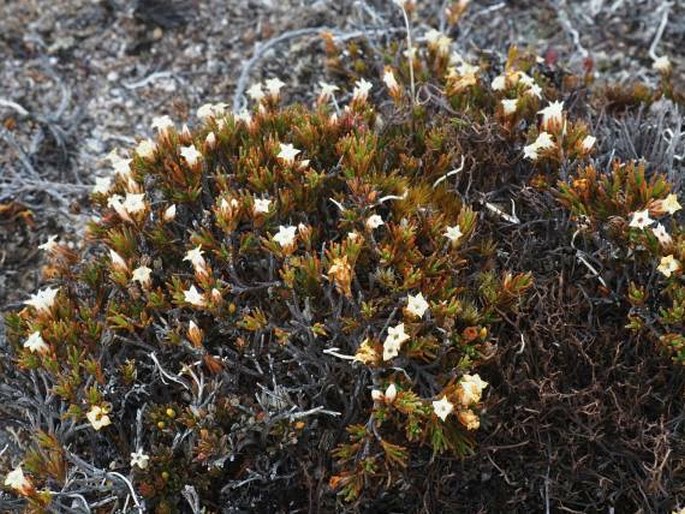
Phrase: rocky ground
pixel 81 77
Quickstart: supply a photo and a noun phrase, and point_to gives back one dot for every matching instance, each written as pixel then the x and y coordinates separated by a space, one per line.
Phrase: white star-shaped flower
pixel 43 300
pixel 641 219
pixel 285 236
pixel 17 480
pixel 454 233
pixel 35 343
pixel 102 185
pixel 525 79
pixel 443 408
pixel 544 141
pixel 417 305
pixel 361 90
pixel 662 64
pixel 146 149
pixel 195 258
pixel 261 205
pixel 194 297
pixel 668 265
pixel 98 417
pixel 588 142
pixel 509 106
pixel 670 204
pixel 535 90
pixel 273 87
pixel 389 79
pixel 530 152
pixel 256 92
pixel 203 112
pixel 327 90
pixel 287 153
pixel 190 154
pixel 374 221
pixel 499 83
pixel 140 459
pixel 393 342
pixel 432 36
pixel 50 245
pixel 141 275
pixel 162 123
pixel 122 167
pixel 662 236
pixel 134 202
pixel 552 115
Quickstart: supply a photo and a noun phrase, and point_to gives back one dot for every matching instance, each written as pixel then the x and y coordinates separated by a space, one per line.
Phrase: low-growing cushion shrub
pixel 297 305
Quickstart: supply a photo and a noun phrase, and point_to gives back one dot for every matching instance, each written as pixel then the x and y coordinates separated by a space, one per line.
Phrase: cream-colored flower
pixel 670 204
pixel 543 142
pixel 210 140
pixel 190 154
pixel 509 106
pixel 36 343
pixel 552 115
pixel 454 233
pixel 393 342
pixel 443 408
pixel 146 149
pixel 535 90
pixel 470 389
pixel 327 90
pixel 499 83
pixel 641 219
pixel 668 265
pixel 43 300
pixel 102 185
pixel 261 206
pixel 98 417
pixel 50 245
pixel 285 236
pixel 287 153
pixel 387 397
pixel 170 213
pixel 662 236
pixel 662 64
pixel 162 123
pixel 256 92
pixel 273 87
pixel 389 79
pixel 361 90
pixel 18 481
pixel 469 419
pixel 588 143
pixel 196 259
pixel 432 36
pixel 194 297
pixel 122 167
pixel 417 305
pixel 525 79
pixel 141 275
pixel 374 221
pixel 134 202
pixel 118 262
pixel 140 459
